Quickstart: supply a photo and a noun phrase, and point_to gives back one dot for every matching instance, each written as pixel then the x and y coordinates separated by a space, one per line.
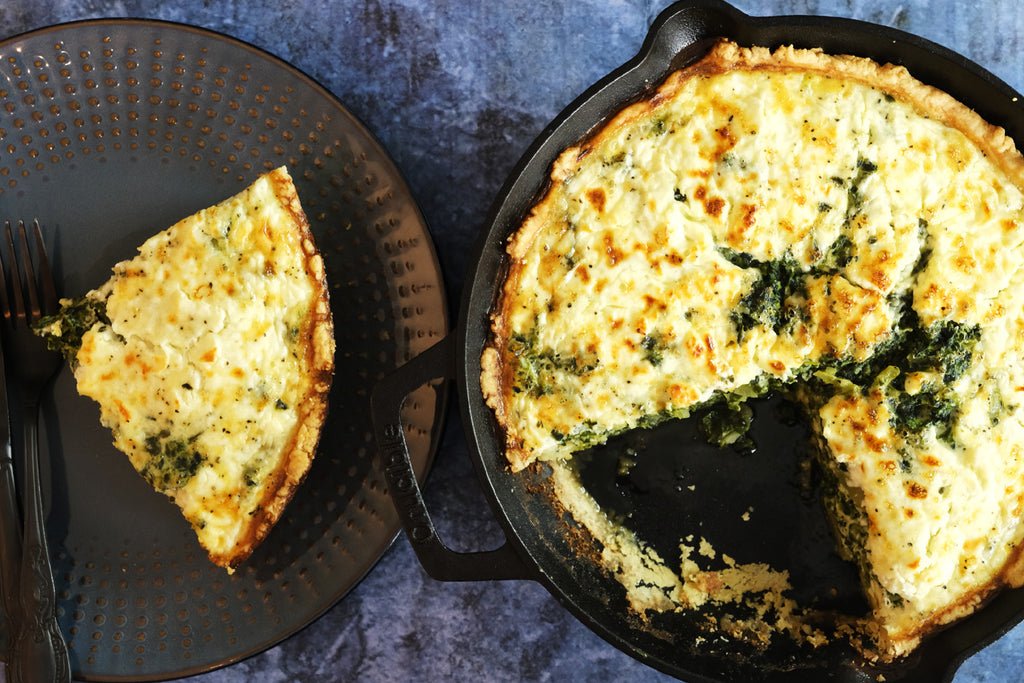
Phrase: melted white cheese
pixel 204 355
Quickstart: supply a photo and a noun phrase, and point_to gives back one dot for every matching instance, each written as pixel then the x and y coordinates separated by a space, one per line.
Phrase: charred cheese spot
pixel 596 198
pixel 916 490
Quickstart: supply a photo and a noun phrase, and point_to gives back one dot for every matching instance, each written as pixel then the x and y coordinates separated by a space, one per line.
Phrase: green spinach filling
pixel 172 462
pixel 64 330
pixel 775 297
pixel 654 346
pixel 537 366
pixel 772 300
pixel 945 348
pixel 766 302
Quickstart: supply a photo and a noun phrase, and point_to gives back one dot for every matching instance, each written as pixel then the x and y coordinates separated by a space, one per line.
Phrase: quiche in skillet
pixel 211 354
pixel 819 225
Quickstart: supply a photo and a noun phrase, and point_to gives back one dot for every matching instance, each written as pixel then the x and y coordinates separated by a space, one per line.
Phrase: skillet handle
pixel 439 561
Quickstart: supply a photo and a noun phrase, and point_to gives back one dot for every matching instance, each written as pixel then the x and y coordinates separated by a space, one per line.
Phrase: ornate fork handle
pixel 10 520
pixel 10 541
pixel 39 652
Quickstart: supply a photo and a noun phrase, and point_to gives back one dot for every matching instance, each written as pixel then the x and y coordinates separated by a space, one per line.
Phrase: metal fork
pixel 39 652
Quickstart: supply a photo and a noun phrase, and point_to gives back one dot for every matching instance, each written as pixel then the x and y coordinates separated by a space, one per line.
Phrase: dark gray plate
pixel 111 131
pixel 785 529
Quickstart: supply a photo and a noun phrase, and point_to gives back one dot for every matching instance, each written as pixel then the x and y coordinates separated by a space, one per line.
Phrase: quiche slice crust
pixel 211 355
pixel 816 224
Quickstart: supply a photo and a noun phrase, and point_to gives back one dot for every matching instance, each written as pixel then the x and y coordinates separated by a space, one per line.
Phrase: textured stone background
pixel 456 91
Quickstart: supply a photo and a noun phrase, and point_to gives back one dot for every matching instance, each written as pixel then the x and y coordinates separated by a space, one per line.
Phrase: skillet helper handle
pixel 439 561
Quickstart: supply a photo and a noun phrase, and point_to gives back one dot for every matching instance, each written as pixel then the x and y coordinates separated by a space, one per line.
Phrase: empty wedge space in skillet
pixel 822 227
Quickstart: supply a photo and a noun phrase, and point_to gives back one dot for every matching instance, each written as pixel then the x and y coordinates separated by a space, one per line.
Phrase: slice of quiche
pixel 821 225
pixel 211 354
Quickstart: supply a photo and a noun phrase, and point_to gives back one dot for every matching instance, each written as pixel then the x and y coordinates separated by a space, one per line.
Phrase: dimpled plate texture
pixel 111 131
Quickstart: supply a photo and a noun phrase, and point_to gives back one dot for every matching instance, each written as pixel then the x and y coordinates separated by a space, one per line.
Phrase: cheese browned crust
pixel 819 224
pixel 211 355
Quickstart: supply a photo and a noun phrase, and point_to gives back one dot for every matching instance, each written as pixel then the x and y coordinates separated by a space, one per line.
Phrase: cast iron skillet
pixel 785 526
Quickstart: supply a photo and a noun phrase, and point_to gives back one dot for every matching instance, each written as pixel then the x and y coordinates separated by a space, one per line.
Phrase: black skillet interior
pixel 784 526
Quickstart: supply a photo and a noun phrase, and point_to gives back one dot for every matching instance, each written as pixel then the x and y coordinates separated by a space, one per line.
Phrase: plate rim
pixel 442 391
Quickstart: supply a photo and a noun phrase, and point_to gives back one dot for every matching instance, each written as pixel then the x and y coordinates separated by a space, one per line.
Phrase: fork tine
pixel 32 314
pixel 46 281
pixel 5 303
pixel 19 304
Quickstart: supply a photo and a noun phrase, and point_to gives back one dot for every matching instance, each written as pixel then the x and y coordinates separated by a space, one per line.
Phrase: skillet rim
pixel 680 35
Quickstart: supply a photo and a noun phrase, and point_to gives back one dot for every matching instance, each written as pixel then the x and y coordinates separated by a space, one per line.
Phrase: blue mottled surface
pixel 456 91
